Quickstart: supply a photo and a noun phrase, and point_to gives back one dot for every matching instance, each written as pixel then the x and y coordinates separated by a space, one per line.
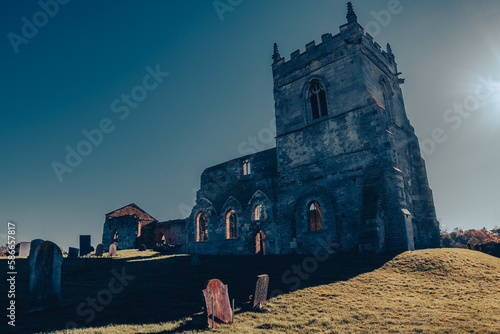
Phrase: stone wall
pixel 127 227
pixel 173 230
pixel 225 187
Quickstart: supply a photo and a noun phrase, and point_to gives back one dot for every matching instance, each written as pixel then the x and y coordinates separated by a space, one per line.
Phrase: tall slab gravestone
pixel 24 249
pixel 34 243
pixel 45 274
pixel 217 308
pixel 85 245
pixel 260 295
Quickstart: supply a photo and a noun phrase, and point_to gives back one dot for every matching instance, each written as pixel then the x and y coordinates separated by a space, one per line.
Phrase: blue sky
pixel 218 92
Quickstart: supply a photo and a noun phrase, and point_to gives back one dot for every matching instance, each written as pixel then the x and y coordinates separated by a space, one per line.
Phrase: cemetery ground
pixel 427 291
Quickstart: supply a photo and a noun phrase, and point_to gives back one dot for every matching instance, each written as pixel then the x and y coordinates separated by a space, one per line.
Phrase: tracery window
pixel 246 167
pixel 317 98
pixel 231 225
pixel 259 212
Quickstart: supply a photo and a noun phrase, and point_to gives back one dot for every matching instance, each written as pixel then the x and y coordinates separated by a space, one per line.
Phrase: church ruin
pixel 346 172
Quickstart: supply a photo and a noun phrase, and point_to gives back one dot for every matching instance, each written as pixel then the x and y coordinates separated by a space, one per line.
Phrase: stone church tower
pixel 346 152
pixel 346 174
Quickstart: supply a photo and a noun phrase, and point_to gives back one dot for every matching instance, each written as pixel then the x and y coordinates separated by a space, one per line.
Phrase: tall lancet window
pixel 317 97
pixel 231 225
pixel 387 95
pixel 314 216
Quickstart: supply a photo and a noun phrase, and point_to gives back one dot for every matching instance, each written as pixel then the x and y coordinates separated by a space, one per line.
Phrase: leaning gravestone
pixel 260 295
pixel 85 247
pixel 73 253
pixel 99 250
pixel 34 243
pixel 24 249
pixel 112 249
pixel 45 274
pixel 217 309
pixel 142 248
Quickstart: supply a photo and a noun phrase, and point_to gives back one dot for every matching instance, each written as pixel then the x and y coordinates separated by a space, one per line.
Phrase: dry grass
pixel 429 291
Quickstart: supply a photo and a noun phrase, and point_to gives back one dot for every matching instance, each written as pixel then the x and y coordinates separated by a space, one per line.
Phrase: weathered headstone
pixel 195 260
pixel 142 248
pixel 45 274
pixel 34 243
pixel 112 249
pixel 24 249
pixel 260 296
pixel 217 308
pixel 73 253
pixel 85 245
pixel 99 250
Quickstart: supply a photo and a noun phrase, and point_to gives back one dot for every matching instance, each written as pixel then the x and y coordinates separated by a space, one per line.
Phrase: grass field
pixel 429 291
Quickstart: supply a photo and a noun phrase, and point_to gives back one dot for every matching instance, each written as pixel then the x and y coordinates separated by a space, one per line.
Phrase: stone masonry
pixel 344 147
pixel 346 174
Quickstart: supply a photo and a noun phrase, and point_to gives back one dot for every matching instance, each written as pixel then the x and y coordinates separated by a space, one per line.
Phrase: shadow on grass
pixel 169 289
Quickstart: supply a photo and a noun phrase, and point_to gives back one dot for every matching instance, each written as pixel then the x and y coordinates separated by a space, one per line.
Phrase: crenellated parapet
pixel 350 38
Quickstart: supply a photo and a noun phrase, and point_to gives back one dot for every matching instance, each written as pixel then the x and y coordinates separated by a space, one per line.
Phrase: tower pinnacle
pixel 389 49
pixel 276 54
pixel 351 16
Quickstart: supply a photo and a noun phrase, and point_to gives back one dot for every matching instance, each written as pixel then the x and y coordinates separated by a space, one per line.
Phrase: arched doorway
pixel 260 243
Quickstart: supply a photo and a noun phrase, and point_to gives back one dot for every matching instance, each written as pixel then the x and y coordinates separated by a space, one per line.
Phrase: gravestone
pixel 99 250
pixel 195 260
pixel 142 248
pixel 73 253
pixel 217 308
pixel 260 296
pixel 24 249
pixel 33 244
pixel 45 274
pixel 112 249
pixel 85 245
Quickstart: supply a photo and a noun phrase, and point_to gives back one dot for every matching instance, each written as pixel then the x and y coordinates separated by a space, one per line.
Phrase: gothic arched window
pixel 259 212
pixel 231 225
pixel 314 216
pixel 317 98
pixel 201 227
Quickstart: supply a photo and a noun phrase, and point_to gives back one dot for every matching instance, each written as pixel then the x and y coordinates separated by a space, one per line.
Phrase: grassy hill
pixel 428 291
